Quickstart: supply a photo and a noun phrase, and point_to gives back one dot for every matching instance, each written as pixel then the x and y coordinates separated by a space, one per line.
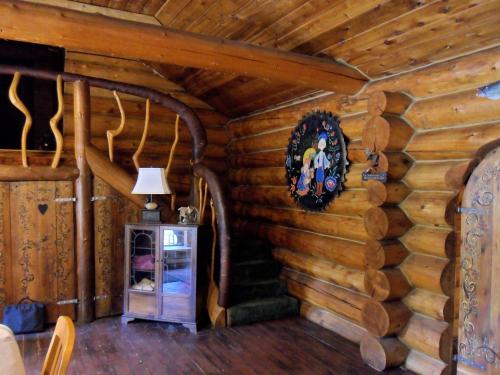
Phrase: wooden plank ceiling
pixel 379 37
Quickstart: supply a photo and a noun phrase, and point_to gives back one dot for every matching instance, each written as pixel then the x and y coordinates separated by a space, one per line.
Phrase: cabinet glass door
pixel 176 252
pixel 142 260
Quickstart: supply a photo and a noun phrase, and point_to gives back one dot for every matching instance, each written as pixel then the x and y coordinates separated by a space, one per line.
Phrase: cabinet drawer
pixel 174 307
pixel 142 304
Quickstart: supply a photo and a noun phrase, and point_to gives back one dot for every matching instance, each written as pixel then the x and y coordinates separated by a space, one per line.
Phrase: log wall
pixel 407 264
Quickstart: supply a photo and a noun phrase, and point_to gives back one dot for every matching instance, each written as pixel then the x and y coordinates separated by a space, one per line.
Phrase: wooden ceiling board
pixel 149 7
pixel 452 36
pixel 379 37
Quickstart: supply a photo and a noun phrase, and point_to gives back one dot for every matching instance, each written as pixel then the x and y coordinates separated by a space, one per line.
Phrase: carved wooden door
pixel 37 245
pixel 479 325
pixel 111 212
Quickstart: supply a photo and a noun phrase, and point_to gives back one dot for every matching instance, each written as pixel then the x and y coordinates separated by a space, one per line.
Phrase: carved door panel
pixel 38 260
pixel 111 213
pixel 479 321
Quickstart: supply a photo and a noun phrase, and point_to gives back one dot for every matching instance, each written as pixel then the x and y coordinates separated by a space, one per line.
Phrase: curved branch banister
pixel 186 113
pixel 199 137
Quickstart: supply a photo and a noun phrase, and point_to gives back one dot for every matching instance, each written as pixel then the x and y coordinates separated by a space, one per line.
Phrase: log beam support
pixel 83 189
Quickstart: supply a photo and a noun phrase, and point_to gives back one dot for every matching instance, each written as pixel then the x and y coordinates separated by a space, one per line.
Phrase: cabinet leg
pixel 193 327
pixel 126 320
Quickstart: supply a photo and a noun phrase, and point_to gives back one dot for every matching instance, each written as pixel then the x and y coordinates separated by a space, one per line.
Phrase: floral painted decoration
pixel 316 161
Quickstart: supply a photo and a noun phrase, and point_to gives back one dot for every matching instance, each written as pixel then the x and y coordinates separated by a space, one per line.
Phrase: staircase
pixel 257 292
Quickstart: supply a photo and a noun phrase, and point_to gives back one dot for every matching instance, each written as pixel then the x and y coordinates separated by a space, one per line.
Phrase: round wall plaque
pixel 316 161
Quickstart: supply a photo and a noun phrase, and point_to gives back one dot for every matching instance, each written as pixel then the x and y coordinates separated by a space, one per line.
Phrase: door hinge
pixel 472 210
pixel 101 198
pixel 68 301
pixel 64 200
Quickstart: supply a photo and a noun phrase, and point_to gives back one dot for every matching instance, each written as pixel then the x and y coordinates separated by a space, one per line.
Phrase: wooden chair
pixel 61 347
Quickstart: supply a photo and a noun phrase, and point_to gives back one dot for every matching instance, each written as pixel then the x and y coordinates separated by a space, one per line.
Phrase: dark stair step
pixel 262 309
pixel 257 289
pixel 254 270
pixel 244 249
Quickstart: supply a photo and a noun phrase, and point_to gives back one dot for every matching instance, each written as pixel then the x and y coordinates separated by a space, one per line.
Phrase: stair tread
pixel 254 262
pixel 264 301
pixel 259 282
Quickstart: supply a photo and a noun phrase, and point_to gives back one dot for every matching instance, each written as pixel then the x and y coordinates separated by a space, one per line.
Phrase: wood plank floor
pixel 288 346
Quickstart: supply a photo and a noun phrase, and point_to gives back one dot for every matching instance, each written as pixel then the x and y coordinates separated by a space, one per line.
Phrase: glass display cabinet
pixel 161 273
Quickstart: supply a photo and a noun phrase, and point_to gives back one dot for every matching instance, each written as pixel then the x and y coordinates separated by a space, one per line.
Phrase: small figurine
pixel 321 163
pixel 188 215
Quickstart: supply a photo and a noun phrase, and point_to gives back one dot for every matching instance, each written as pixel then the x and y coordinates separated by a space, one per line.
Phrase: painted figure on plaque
pixel 321 163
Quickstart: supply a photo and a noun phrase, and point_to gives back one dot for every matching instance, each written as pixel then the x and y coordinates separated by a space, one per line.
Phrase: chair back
pixel 61 347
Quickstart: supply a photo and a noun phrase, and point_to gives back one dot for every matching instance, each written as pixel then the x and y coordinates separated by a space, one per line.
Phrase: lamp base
pixel 150 216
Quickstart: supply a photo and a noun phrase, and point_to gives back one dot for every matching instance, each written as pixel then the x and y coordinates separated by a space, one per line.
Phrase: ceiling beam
pixel 74 30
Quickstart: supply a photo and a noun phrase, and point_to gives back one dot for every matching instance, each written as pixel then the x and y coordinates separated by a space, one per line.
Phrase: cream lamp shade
pixel 151 181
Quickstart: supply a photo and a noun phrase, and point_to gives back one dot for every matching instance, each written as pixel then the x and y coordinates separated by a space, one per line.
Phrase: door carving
pixel 479 319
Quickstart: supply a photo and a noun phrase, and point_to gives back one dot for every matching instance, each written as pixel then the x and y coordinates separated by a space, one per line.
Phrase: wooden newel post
pixel 83 189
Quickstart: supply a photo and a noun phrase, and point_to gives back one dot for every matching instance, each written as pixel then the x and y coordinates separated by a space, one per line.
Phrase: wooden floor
pixel 289 346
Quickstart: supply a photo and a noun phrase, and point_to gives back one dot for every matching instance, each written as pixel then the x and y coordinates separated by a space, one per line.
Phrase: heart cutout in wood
pixel 43 208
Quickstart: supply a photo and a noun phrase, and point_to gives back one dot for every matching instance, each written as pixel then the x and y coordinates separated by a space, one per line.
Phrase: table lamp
pixel 151 181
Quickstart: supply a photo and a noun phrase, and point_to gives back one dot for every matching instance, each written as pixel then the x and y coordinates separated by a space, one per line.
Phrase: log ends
pixel 388 102
pixel 429 336
pixel 384 254
pixel 386 285
pixel 382 353
pixel 386 134
pixel 430 273
pixel 384 318
pixel 388 193
pixel 386 222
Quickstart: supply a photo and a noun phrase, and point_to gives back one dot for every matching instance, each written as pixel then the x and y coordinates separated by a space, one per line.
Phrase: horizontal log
pixel 321 269
pixel 320 293
pixel 35 158
pixel 135 108
pixel 462 73
pixel 150 147
pixel 103 35
pixel 384 254
pixel 272 158
pixel 279 140
pixel 384 318
pixel 341 105
pixel 396 164
pixel 386 222
pixel 430 273
pixel 434 305
pixel 453 110
pixel 431 208
pixel 438 175
pixel 387 133
pixel 353 202
pixel 382 353
pixel 380 102
pixel 37 173
pixel 341 251
pixel 276 176
pixel 333 322
pixel 386 285
pixel 429 336
pixel 352 126
pixel 430 240
pixel 452 143
pixel 160 131
pixel 422 364
pixel 389 193
pixel 333 225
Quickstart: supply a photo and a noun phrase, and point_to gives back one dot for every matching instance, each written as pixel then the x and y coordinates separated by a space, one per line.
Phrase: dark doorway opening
pixel 38 95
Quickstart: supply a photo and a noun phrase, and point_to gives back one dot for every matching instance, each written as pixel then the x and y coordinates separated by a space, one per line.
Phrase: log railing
pixel 93 159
